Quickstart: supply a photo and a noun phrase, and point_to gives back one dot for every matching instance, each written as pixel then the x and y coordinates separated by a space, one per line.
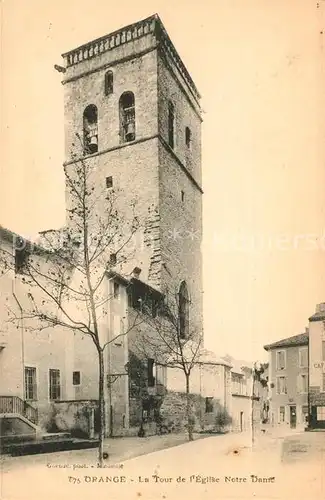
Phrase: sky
pixel 259 65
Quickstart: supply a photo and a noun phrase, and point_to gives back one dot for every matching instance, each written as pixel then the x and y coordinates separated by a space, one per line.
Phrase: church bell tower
pixel 132 101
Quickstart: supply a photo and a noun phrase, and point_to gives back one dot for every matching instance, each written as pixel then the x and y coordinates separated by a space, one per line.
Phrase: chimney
pixel 320 308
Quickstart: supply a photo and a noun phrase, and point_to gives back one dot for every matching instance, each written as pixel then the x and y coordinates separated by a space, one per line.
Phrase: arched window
pixel 90 126
pixel 108 82
pixel 183 304
pixel 171 124
pixel 127 117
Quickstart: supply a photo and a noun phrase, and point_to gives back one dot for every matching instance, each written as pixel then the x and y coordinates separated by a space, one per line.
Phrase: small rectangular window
pixel 76 378
pixel 109 182
pixel 303 357
pixel 182 195
pixel 280 360
pixel 116 290
pixel 303 383
pixel 188 138
pixel 55 384
pixel 281 385
pixel 108 83
pixel 208 405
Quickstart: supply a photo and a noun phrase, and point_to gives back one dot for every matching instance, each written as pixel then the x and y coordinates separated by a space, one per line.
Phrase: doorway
pixel 293 417
pixel 241 421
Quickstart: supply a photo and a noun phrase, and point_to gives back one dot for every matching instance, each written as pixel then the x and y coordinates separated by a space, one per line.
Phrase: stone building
pixel 132 113
pixel 242 396
pixel 146 142
pixel 297 376
pixel 288 378
pixel 317 368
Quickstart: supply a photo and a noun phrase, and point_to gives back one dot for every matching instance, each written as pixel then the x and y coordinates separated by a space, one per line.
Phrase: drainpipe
pixel 108 378
pixel 22 340
pixel 201 409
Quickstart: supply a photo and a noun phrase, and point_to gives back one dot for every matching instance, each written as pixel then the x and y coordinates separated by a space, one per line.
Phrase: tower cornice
pixel 151 25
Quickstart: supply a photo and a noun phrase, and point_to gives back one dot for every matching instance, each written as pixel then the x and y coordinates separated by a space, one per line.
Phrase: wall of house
pixel 12 335
pixel 28 345
pixel 241 413
pixel 33 344
pixel 317 373
pixel 294 396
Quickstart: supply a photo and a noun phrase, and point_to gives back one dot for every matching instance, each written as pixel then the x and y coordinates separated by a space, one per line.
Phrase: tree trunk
pixel 188 409
pixel 101 408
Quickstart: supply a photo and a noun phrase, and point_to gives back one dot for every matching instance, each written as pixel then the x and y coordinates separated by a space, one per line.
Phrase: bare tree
pixel 66 273
pixel 259 378
pixel 172 343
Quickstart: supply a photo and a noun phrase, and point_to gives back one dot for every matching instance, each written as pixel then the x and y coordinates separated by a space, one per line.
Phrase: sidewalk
pixel 121 449
pixel 118 450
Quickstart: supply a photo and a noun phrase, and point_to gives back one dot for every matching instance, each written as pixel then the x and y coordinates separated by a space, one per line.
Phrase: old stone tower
pixel 131 99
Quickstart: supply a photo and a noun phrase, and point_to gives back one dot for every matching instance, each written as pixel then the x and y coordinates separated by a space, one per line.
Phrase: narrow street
pixel 215 467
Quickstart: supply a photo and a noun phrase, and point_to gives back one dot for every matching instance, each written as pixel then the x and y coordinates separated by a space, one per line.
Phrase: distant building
pixel 248 395
pixel 288 380
pixel 241 395
pixel 317 367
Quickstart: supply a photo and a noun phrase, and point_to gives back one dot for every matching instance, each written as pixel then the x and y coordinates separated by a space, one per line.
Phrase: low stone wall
pixel 173 410
pixel 76 417
pixel 150 429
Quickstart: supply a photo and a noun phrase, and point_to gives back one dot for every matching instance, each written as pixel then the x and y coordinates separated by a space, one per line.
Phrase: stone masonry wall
pixel 173 410
pixel 180 197
pixel 133 166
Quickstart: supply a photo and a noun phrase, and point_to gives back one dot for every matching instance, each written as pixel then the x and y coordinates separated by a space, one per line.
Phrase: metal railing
pixel 14 404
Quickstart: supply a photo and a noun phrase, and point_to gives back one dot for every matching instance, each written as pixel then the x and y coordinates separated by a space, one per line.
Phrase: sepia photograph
pixel 162 249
